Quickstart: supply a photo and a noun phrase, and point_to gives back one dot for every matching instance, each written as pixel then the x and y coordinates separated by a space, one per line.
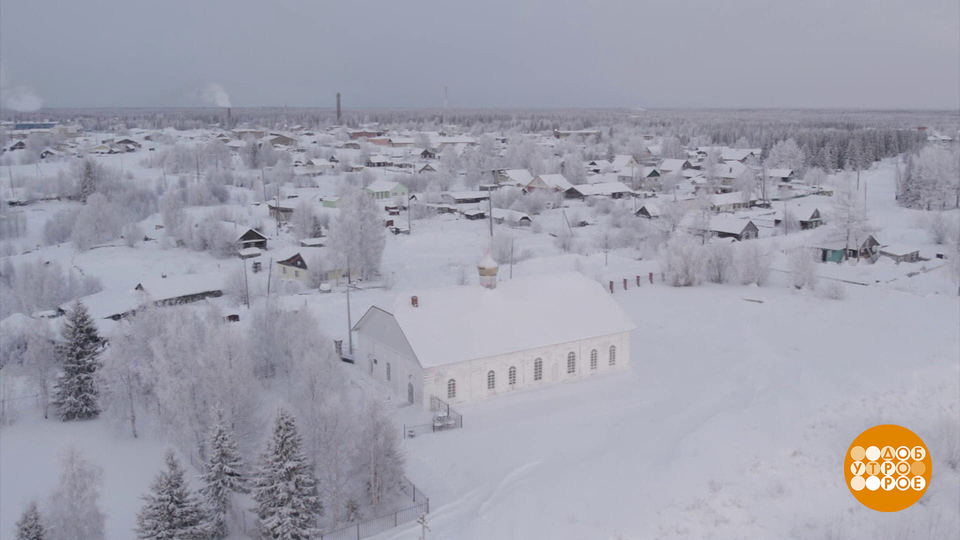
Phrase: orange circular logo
pixel 887 468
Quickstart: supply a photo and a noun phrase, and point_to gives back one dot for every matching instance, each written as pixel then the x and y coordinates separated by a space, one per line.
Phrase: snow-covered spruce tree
pixel 76 391
pixel 284 488
pixel 223 476
pixel 72 511
pixel 171 511
pixel 30 526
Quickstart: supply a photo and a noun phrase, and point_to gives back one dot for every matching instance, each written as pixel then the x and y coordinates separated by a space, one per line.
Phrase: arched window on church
pixel 537 369
pixel 593 359
pixel 572 362
pixel 613 355
pixel 451 389
pixel 491 380
pixel 512 376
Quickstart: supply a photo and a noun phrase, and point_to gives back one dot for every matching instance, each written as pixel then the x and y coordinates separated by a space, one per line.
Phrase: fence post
pixel 638 280
pixel 611 287
pixel 651 278
pixel 358 531
pixel 624 283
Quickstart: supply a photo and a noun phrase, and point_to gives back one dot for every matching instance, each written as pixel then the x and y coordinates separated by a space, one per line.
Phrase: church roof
pixel 456 324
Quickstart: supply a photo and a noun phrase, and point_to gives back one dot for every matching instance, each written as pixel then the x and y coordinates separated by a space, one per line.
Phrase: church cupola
pixel 488 271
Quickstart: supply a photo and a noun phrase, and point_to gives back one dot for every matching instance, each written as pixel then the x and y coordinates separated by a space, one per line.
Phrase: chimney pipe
pixel 338 107
pixel 414 301
pixel 228 117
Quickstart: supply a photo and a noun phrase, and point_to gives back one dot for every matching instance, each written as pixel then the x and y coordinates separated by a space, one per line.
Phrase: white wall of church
pixel 471 377
pixel 375 357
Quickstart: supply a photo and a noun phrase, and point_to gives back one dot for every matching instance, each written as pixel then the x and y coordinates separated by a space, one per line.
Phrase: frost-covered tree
pixel 284 487
pixel 73 510
pixel 849 215
pixel 30 524
pixel 815 177
pixel 76 392
pixel 223 476
pixel 40 361
pixel 307 221
pixel 786 155
pixel 718 262
pixel 357 235
pixel 380 457
pixel 672 214
pixel 681 261
pixel 97 222
pixel 803 268
pixel 753 262
pixel 573 169
pixel 170 510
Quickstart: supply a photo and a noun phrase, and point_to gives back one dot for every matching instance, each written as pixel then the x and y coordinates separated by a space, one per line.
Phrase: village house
pixel 252 238
pixel 386 189
pixel 730 202
pixel 513 177
pixel 549 182
pixel 462 344
pixel 280 211
pixel 294 267
pixel 649 211
pixel 512 218
pixel 465 197
pixel 808 217
pixel 614 190
pixel 901 253
pixel 731 227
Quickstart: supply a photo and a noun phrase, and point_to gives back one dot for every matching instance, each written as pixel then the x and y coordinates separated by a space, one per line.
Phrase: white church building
pixel 468 343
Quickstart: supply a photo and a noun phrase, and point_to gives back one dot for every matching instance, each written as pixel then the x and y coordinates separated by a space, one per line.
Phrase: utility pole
pixel 269 276
pixel 422 520
pixel 511 257
pixel 490 207
pixel 246 284
pixel 349 319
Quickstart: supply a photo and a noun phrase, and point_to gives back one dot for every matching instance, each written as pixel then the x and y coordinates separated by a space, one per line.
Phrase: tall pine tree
pixel 285 489
pixel 171 511
pixel 223 475
pixel 76 391
pixel 30 526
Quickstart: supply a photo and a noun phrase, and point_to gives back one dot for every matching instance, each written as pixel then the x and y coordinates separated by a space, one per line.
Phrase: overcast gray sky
pixel 491 53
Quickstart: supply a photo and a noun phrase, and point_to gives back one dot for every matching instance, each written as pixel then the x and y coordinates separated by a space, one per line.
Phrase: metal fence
pixel 12 407
pixel 444 418
pixel 385 522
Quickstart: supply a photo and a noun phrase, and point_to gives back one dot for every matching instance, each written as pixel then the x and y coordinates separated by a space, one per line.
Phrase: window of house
pixel 571 362
pixel 537 369
pixel 593 359
pixel 284 268
pixel 296 273
pixel 512 376
pixel 451 389
pixel 388 371
pixel 613 355
pixel 491 380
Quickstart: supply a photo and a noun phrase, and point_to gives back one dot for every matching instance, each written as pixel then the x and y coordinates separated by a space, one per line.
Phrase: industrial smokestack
pixel 338 107
pixel 228 117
